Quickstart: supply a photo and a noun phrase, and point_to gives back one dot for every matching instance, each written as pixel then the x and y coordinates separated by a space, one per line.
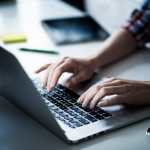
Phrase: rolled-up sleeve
pixel 139 24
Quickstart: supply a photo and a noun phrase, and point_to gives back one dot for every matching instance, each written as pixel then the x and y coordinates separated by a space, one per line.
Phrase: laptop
pixel 58 110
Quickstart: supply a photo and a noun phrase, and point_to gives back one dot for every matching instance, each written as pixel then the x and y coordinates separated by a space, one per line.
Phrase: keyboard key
pixel 63 101
pixel 66 122
pixel 101 111
pixel 54 89
pixel 58 104
pixel 83 113
pixel 63 114
pixel 72 93
pixel 53 108
pixel 99 117
pixel 72 100
pixel 68 110
pixel 78 110
pixel 73 107
pixel 52 112
pixel 68 91
pixel 69 98
pixel 68 117
pixel 77 104
pixel 56 116
pixel 58 111
pixel 63 95
pixel 63 107
pixel 53 95
pixel 50 104
pixel 71 126
pixel 82 108
pixel 49 98
pixel 78 124
pixel 61 119
pixel 73 114
pixel 84 121
pixel 87 110
pixel 60 86
pixel 58 98
pixel 68 104
pixel 77 117
pixel 97 108
pixel 59 92
pixel 107 115
pixel 53 101
pixel 45 96
pixel 88 117
pixel 92 113
pixel 46 102
pixel 45 90
pixel 42 93
pixel 73 121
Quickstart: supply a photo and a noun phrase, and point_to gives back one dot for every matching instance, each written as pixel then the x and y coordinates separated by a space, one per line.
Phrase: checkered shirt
pixel 139 24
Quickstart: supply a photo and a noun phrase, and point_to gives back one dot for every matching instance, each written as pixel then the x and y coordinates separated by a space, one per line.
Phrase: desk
pixel 18 131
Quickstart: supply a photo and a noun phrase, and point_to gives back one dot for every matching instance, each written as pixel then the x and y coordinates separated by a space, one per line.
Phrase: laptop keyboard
pixel 62 102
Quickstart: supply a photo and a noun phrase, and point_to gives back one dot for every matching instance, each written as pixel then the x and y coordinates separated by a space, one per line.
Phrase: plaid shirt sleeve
pixel 139 24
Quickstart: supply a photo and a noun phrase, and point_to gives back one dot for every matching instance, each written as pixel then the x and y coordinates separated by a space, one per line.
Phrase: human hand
pixel 81 68
pixel 127 91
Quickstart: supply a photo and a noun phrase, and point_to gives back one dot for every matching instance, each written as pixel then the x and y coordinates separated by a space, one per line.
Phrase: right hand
pixel 81 68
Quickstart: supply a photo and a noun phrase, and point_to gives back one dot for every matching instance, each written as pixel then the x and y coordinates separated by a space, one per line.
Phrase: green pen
pixel 38 50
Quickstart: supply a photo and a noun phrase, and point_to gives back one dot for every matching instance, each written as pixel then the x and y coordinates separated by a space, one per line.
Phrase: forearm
pixel 115 47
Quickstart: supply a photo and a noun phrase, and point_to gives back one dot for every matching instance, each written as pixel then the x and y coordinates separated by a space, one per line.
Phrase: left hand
pixel 127 91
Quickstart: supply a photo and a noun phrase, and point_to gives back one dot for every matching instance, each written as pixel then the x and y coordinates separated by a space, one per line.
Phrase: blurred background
pixel 27 16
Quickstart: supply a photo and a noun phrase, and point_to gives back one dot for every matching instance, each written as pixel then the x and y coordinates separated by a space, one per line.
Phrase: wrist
pixel 92 62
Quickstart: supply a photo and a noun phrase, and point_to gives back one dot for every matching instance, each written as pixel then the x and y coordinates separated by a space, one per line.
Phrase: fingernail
pixel 92 106
pixel 48 89
pixel 83 105
pixel 79 100
pixel 101 104
pixel 52 85
pixel 42 86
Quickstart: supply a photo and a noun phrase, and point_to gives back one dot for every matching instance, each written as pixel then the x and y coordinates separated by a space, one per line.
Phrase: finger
pixel 113 79
pixel 82 97
pixel 42 68
pixel 51 73
pixel 109 80
pixel 107 91
pixel 89 96
pixel 97 86
pixel 44 82
pixel 112 101
pixel 64 67
pixel 94 91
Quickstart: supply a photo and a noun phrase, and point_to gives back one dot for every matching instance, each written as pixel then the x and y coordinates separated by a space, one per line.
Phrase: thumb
pixel 74 80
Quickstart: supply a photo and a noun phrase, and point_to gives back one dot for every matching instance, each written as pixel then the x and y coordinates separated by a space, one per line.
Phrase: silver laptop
pixel 58 110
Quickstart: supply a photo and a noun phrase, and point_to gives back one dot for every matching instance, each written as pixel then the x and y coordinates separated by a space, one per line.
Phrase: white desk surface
pixel 18 131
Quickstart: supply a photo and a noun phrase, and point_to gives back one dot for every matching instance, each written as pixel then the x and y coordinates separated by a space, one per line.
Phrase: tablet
pixel 72 30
